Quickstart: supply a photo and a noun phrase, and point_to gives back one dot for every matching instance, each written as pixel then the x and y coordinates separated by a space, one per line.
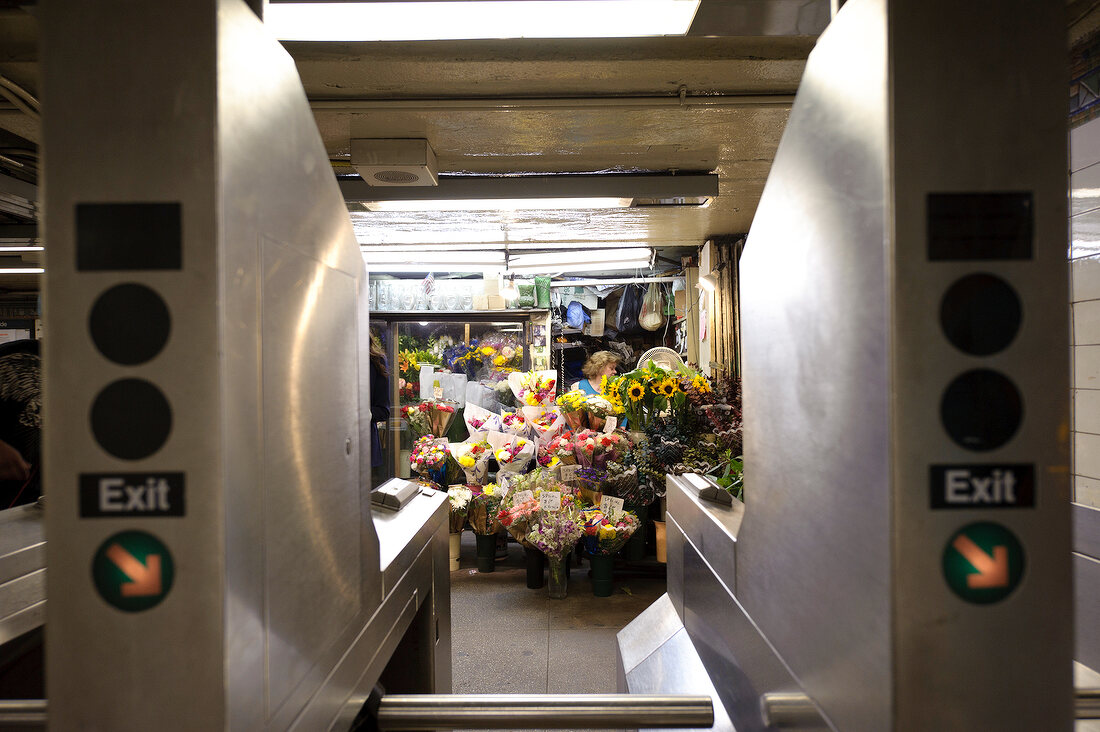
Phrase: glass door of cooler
pixel 441 358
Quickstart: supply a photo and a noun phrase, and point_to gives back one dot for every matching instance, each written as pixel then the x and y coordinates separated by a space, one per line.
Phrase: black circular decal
pixel 981 409
pixel 129 324
pixel 131 419
pixel 980 314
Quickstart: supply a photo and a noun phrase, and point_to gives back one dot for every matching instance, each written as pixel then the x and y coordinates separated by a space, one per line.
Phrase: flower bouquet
pixel 459 498
pixel 598 410
pixel 430 417
pixel 573 409
pixel 595 449
pixel 480 419
pixel 514 423
pixel 513 454
pixel 534 388
pixel 603 536
pixel 473 458
pixel 482 515
pixel 429 458
pixel 561 447
pixel 545 422
pixel 555 533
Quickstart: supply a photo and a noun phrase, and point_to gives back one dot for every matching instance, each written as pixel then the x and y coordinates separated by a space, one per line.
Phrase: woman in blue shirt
pixel 598 365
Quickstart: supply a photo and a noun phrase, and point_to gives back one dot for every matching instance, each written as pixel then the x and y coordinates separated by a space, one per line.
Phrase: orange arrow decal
pixel 992 571
pixel 145 578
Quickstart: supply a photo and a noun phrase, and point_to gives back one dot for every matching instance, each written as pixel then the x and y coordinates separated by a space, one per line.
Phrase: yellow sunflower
pixel 635 391
pixel 668 387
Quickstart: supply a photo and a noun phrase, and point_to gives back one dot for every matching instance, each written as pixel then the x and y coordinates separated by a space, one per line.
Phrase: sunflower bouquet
pixel 648 392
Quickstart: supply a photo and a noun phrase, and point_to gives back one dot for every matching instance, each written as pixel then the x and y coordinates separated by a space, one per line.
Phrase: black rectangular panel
pixel 128 236
pixel 982 486
pixel 979 226
pixel 131 495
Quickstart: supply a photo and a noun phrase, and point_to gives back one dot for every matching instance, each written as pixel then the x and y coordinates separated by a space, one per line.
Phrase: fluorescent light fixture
pixel 21 270
pixel 20 249
pixel 478 19
pixel 498 204
pixel 432 261
pixel 593 259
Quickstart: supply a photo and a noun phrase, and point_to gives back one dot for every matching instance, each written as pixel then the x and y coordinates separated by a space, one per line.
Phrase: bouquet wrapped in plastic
pixel 516 511
pixel 430 417
pixel 429 459
pixel 534 388
pixel 483 508
pixel 573 407
pixel 556 532
pixel 545 422
pixel 598 410
pixel 459 497
pixel 480 419
pixel 560 448
pixel 604 535
pixel 514 423
pixel 473 458
pixel 513 454
pixel 595 449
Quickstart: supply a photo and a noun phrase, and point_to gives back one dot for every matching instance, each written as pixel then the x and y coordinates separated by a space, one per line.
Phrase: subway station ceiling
pixel 714 101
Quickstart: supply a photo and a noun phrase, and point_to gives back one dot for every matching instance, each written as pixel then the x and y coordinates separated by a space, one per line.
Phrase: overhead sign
pixel 982 486
pixel 133 571
pixel 983 563
pixel 131 495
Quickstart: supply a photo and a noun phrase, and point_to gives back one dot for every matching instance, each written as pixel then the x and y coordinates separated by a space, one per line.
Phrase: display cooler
pixel 455 356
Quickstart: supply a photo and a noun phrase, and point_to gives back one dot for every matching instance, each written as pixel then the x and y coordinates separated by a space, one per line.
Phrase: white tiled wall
pixel 1085 309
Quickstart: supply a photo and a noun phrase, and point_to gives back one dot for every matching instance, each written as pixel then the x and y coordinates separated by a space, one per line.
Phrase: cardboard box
pixel 681 303
pixel 496 302
pixel 481 302
pixel 597 325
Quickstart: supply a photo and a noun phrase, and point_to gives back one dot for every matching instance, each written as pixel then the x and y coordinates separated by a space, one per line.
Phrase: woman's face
pixel 608 370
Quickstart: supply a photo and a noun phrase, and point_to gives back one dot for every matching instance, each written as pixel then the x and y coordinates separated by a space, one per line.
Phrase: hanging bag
pixel 651 317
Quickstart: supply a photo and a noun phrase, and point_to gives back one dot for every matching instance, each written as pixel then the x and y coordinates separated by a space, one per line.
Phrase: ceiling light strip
pixel 540 186
pixel 477 19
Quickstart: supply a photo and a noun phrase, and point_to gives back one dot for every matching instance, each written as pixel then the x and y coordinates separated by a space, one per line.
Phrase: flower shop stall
pixel 568 472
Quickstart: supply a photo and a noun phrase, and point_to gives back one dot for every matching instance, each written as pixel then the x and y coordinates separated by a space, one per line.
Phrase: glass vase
pixel 558 578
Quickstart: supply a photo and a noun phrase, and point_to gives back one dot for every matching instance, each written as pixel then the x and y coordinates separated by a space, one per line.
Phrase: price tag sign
pixel 522 497
pixel 569 472
pixel 550 501
pixel 611 507
pixel 610 425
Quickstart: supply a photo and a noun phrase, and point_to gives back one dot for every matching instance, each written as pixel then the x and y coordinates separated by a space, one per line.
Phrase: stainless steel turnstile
pixel 903 558
pixel 213 562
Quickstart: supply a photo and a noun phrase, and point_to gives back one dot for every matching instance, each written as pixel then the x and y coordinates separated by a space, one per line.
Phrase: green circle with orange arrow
pixel 983 562
pixel 133 571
